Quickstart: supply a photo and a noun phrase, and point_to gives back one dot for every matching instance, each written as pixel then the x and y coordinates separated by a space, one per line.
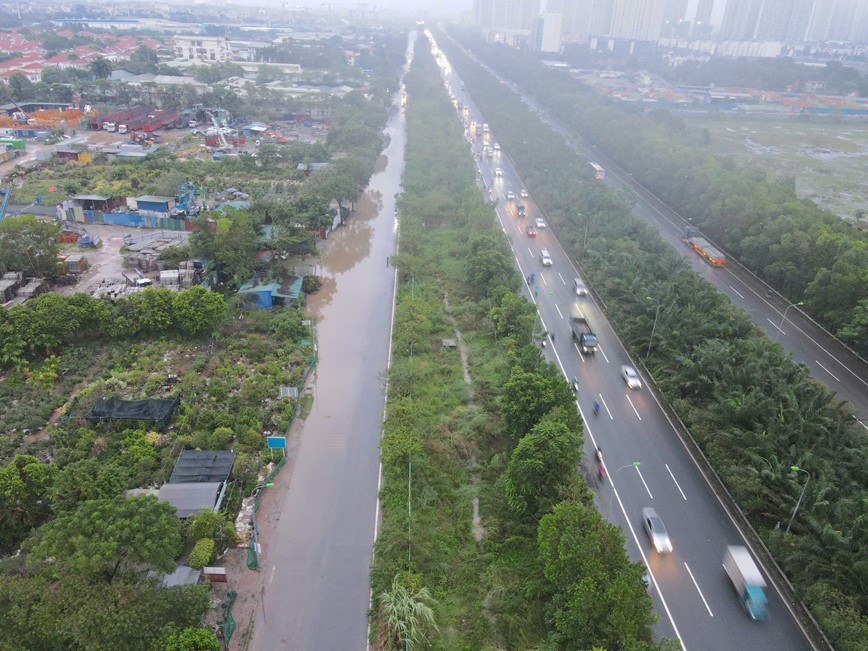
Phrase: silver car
pixel 631 377
pixel 656 531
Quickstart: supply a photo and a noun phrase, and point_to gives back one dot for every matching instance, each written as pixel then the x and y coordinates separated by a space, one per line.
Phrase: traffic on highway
pixel 645 478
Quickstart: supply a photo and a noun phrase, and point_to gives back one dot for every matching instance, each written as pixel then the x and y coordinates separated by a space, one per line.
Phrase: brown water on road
pixel 317 541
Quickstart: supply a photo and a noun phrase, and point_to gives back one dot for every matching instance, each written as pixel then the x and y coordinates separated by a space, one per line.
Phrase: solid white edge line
pixel 647 490
pixel 827 370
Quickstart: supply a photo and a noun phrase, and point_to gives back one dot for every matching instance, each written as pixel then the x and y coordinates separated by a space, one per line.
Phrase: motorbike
pixel 575 384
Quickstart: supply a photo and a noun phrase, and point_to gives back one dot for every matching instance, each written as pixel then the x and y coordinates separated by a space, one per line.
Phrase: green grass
pixel 828 158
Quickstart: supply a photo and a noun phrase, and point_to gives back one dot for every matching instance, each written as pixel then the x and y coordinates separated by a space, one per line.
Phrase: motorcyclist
pixel 599 455
pixel 596 407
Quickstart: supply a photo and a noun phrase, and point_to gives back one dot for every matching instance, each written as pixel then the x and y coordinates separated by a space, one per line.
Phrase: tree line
pixel 753 412
pixel 45 324
pixel 547 570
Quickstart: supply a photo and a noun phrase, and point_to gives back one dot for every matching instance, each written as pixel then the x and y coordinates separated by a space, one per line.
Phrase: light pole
pixel 796 469
pixel 780 327
pixel 585 241
pixel 653 327
pixel 634 464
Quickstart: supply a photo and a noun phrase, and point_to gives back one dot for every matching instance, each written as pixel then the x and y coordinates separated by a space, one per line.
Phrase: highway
pixel 838 368
pixel 690 590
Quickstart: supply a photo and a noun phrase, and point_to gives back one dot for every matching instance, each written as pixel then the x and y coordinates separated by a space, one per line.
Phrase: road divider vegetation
pixel 537 566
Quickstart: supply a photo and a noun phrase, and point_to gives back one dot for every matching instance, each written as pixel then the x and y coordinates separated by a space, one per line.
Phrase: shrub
pixel 203 552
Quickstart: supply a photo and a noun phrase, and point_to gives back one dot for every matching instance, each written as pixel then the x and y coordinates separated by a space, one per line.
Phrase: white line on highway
pixel 603 400
pixel 775 326
pixel 603 353
pixel 698 590
pixel 627 395
pixel 647 490
pixel 827 370
pixel 576 346
pixel 529 251
pixel 543 279
pixel 677 485
pixel 736 291
pixel 860 422
pixel 560 314
pixel 645 560
pixel 562 278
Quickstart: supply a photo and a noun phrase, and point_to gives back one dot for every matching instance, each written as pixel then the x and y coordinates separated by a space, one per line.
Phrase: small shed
pixel 255 294
pixel 202 466
pixel 190 499
pixel 98 202
pixel 155 203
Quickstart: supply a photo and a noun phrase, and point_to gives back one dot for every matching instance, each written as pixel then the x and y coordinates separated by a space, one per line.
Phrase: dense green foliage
pixel 49 322
pixel 752 411
pixel 806 253
pixel 29 245
pixel 453 441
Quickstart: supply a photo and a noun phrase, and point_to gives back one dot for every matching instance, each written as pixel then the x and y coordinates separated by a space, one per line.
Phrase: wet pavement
pixel 318 531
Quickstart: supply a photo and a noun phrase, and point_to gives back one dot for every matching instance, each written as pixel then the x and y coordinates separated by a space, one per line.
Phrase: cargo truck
pixel 581 331
pixel 747 581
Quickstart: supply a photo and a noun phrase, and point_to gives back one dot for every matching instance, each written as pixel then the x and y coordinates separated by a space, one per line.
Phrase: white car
pixel 498 172
pixel 540 223
pixel 656 531
pixel 497 146
pixel 510 195
pixel 631 377
pixel 523 193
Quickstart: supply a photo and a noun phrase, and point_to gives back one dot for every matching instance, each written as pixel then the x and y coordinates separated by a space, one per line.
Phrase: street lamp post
pixel 796 469
pixel 653 327
pixel 634 464
pixel 783 318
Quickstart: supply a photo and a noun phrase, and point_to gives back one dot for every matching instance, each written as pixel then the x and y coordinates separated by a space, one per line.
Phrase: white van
pixel 579 287
pixel 545 258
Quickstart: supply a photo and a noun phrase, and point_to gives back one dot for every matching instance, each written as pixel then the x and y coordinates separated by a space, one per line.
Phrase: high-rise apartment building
pixel 637 20
pixel 784 20
pixel 581 19
pixel 506 14
pixel 836 20
pixel 547 33
pixel 740 20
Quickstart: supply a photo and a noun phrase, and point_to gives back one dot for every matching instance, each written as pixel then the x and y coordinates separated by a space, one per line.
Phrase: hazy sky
pixel 406 7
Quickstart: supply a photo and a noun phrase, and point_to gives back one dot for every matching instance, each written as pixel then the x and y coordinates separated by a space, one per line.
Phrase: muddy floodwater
pixel 318 538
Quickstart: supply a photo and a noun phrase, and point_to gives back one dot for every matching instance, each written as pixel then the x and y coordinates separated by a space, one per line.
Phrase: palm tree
pixel 101 68
pixel 408 617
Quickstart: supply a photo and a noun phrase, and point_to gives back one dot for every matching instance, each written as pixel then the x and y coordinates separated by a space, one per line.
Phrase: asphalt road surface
pixel 317 560
pixel 691 592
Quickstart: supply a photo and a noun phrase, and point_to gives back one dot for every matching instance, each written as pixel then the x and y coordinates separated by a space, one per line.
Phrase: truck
pixel 478 129
pixel 693 238
pixel 582 332
pixel 747 581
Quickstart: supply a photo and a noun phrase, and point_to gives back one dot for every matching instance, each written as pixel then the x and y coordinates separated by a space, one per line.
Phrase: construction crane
pixel 224 144
pixel 21 114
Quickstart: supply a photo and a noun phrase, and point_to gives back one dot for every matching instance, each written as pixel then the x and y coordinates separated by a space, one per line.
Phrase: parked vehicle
pixel 747 581
pixel 581 331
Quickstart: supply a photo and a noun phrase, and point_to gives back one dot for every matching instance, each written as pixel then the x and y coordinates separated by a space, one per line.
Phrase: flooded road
pixel 317 543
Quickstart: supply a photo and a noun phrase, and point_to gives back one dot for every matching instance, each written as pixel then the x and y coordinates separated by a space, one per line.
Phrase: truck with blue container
pixel 747 581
